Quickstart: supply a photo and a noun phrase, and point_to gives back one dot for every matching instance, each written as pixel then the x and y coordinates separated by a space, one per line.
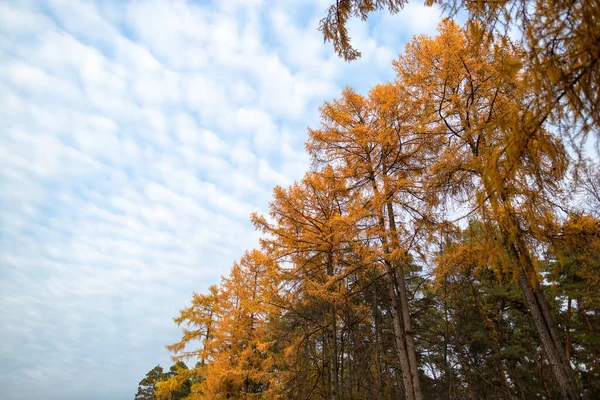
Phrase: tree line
pixel 445 242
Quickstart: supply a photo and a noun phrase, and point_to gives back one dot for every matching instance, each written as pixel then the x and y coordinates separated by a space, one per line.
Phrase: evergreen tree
pixel 148 384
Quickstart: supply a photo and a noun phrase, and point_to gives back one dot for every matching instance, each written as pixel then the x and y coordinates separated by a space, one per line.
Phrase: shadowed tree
pixel 148 384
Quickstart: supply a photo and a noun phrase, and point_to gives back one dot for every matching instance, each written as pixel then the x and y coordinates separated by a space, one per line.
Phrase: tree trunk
pixel 396 307
pixel 333 376
pixel 408 334
pixel 568 330
pixel 552 347
pixel 326 375
pixel 399 335
pixel 332 339
pixel 534 297
pixel 378 348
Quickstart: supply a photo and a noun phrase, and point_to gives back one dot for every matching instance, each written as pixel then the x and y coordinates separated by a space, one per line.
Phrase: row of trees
pixel 435 248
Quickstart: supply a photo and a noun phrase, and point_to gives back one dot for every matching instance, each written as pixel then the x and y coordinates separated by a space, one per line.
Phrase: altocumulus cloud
pixel 136 138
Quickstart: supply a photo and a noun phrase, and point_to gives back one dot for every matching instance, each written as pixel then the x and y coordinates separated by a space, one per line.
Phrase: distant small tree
pixel 148 384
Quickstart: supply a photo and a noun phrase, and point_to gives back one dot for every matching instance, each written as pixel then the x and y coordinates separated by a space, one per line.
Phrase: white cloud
pixel 32 79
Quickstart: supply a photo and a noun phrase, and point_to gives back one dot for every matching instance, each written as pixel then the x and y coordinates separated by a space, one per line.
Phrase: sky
pixel 136 137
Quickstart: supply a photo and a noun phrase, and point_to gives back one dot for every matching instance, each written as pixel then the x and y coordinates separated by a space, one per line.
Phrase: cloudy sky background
pixel 135 140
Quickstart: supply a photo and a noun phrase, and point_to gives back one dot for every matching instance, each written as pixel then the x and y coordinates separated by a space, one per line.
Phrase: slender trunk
pixel 326 365
pixel 447 371
pixel 568 331
pixel 408 333
pixel 331 338
pixel 333 379
pixel 397 320
pixel 399 335
pixel 341 365
pixel 534 297
pixel 378 348
pixel 554 351
pixel 560 365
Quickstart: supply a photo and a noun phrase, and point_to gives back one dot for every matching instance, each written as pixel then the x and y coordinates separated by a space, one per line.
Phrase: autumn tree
pixel 176 384
pixel 376 144
pixel 312 230
pixel 562 42
pixel 562 49
pixel 245 361
pixel 197 322
pixel 496 158
pixel 228 332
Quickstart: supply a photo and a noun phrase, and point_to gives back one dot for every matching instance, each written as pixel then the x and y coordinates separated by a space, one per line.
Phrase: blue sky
pixel 136 139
